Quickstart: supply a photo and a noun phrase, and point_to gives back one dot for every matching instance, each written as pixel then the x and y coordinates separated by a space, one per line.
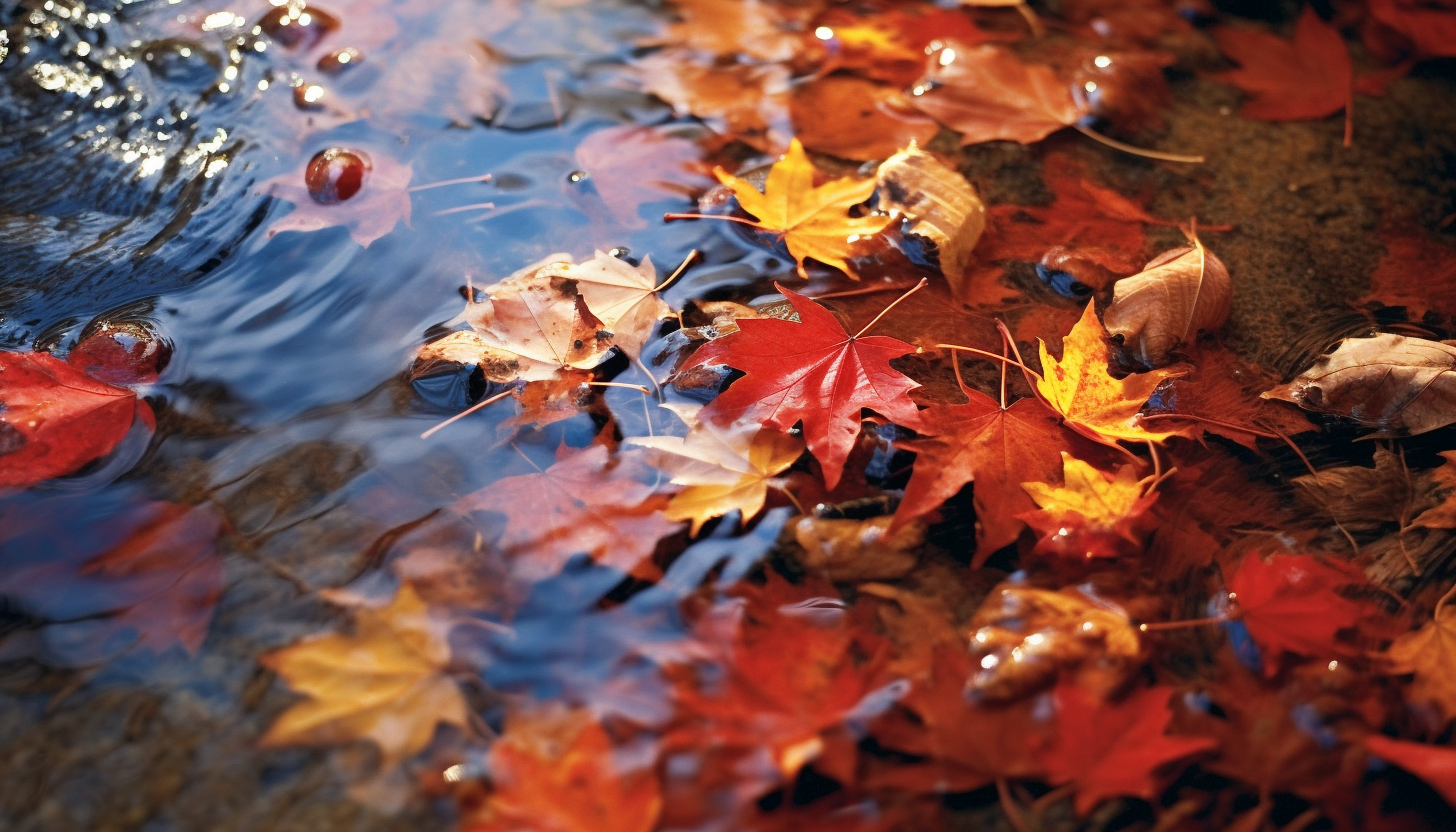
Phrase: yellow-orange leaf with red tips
pixel 724 468
pixel 815 221
pixel 554 770
pixel 1089 515
pixel 1430 653
pixel 1091 401
pixel 385 682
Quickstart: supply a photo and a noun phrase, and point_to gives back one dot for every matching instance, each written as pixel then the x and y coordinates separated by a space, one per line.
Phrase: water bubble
pixel 308 97
pixel 336 174
pixel 296 25
pixel 340 60
pixel 121 352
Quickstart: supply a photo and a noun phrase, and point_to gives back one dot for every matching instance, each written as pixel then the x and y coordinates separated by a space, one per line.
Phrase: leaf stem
pixel 462 414
pixel 682 267
pixel 993 356
pixel 1185 624
pixel 917 287
pixel 1136 151
pixel 461 181
pixel 744 220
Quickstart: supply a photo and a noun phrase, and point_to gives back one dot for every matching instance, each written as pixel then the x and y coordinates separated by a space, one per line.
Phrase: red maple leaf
pixel 1108 749
pixel 738 689
pixel 55 418
pixel 1289 604
pixel 590 502
pixel 810 371
pixel 1307 77
pixel 1418 272
pixel 1434 765
pixel 1411 28
pixel 996 448
pixel 1099 223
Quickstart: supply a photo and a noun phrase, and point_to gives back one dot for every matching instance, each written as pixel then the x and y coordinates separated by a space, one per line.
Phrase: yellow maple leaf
pixel 1430 653
pixel 723 468
pixel 385 682
pixel 1090 400
pixel 815 221
pixel 1090 515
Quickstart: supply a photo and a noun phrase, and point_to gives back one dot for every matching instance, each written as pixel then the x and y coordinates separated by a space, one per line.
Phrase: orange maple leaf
pixel 555 770
pixel 815 221
pixel 385 682
pixel 1090 515
pixel 1092 402
pixel 1429 653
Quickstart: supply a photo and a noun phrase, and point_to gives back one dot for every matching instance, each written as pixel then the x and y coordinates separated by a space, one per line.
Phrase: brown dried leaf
pixel 1399 384
pixel 1179 294
pixel 939 204
pixel 858 550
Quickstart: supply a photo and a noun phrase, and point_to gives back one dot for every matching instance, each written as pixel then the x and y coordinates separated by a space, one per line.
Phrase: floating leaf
pixel 1179 294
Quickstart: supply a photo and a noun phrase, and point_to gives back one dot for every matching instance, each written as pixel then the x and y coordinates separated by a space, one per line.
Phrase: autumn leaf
pixel 385 682
pixel 590 502
pixel 856 118
pixel 622 296
pixel 1400 384
pixel 1429 654
pixel 555 769
pixel 850 550
pixel 1433 764
pixel 996 448
pixel 815 220
pixel 1179 294
pixel 1307 77
pixel 1220 395
pixel 810 370
pixel 1092 402
pixel 1424 30
pixel 938 205
pixel 1090 515
pixel 749 102
pixel 759 30
pixel 363 192
pixel 1114 749
pixel 1417 271
pixel 531 327
pixel 631 166
pixel 168 575
pixel 55 418
pixel 744 690
pixel 1290 603
pixel 1023 638
pixel 986 93
pixel 723 468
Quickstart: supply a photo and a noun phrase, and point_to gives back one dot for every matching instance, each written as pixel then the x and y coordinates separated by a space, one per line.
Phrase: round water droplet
pixel 577 176
pixel 297 25
pixel 336 174
pixel 340 60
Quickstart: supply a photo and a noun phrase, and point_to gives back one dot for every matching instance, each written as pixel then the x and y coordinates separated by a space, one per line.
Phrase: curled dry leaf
pixel 1392 382
pixel 938 204
pixel 1179 294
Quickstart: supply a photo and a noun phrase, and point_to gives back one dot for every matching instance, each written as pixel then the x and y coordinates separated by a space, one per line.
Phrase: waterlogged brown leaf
pixel 938 204
pixel 856 118
pixel 1399 384
pixel 987 93
pixel 749 102
pixel 1179 294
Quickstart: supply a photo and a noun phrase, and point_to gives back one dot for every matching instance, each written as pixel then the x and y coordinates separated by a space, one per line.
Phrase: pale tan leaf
pixel 1179 294
pixel 939 204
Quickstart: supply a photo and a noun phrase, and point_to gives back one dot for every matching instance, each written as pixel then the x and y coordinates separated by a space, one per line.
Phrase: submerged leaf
pixel 987 93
